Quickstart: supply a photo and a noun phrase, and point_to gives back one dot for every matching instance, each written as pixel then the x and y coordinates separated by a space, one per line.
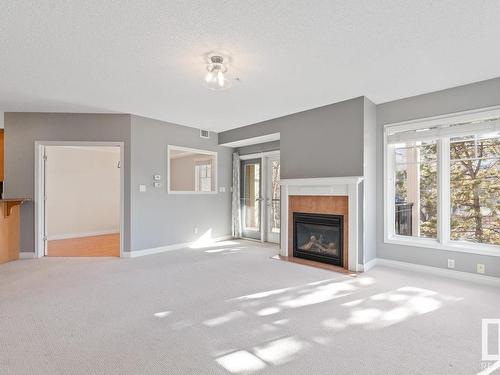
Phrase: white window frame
pixel 214 169
pixel 443 241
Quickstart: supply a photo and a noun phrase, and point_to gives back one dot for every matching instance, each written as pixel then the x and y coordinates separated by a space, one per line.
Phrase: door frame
pixel 40 188
pixel 263 156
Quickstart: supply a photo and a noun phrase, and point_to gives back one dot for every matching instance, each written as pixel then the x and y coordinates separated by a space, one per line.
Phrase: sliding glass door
pixel 251 198
pixel 260 198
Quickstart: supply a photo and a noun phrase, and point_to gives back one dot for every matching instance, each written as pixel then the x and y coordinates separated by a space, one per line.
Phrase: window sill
pixel 462 247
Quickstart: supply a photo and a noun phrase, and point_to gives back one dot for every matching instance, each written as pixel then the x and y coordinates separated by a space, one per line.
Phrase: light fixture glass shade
pixel 217 77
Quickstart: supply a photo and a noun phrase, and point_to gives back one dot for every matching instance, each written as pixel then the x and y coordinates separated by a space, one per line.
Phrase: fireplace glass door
pixel 318 237
pixel 251 198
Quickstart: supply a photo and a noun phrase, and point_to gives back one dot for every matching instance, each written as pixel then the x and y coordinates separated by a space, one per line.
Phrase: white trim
pixel 466 276
pixel 83 234
pixel 163 249
pixel 343 186
pixel 456 246
pixel 253 141
pixel 197 151
pixel 367 266
pixel 443 241
pixel 259 155
pixel 26 255
pixel 39 188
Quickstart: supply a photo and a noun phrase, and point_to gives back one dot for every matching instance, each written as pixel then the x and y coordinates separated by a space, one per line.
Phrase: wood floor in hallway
pixel 107 245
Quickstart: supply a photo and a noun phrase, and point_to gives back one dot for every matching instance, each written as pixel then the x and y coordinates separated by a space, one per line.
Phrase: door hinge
pixel 44 157
pixel 45 238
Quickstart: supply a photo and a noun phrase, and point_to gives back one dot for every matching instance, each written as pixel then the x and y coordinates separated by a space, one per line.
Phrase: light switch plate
pixel 451 263
pixel 157 184
pixel 142 188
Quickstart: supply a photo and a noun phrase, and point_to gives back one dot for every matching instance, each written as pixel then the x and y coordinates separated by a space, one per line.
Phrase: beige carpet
pixel 231 309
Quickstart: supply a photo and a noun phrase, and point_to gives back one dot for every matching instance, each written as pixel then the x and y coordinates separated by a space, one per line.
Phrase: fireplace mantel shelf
pixel 321 181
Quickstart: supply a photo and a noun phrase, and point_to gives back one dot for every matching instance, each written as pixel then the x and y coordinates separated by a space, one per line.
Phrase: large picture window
pixel 443 183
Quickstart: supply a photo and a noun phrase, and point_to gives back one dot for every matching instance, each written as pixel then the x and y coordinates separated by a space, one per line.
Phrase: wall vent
pixel 204 133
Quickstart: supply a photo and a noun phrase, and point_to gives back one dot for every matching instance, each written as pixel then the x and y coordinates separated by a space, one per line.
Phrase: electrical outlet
pixel 480 268
pixel 451 263
pixel 142 188
pixel 195 230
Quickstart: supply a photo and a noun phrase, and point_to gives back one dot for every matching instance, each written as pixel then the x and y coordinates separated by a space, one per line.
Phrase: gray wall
pixel 474 96
pixel 161 219
pixel 21 132
pixel 323 142
pixel 260 147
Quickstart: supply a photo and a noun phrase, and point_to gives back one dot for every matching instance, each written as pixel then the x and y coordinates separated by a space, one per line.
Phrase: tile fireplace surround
pixel 331 195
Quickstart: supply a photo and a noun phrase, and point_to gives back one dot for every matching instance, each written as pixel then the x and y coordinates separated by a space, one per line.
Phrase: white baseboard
pixel 84 234
pixel 162 249
pixel 467 276
pixel 26 255
pixel 369 265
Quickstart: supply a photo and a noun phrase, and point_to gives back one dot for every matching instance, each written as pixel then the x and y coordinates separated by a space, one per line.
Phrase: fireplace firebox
pixel 318 237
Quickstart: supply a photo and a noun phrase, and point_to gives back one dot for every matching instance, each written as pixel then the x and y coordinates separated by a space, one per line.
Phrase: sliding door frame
pixel 263 156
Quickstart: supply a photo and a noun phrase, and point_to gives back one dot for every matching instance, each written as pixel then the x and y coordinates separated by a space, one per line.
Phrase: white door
pixel 272 199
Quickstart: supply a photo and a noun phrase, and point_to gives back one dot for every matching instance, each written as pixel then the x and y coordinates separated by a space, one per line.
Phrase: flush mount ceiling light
pixel 217 77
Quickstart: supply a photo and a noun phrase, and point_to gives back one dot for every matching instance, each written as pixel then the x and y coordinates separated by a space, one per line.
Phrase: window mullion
pixel 444 190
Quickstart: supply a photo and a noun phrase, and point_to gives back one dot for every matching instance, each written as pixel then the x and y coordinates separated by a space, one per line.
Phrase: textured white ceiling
pixel 147 57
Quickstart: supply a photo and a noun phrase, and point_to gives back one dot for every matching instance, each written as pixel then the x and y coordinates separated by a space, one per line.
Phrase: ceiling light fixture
pixel 217 78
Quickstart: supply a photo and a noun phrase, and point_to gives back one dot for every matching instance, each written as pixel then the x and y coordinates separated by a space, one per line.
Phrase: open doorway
pixel 80 191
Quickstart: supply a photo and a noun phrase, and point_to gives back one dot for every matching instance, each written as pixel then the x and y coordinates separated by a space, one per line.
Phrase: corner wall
pixel 324 142
pixel 370 181
pixel 474 96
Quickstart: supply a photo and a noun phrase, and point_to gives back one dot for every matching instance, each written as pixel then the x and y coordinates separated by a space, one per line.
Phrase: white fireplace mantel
pixel 343 186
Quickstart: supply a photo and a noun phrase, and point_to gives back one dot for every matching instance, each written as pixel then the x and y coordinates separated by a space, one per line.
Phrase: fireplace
pixel 318 237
